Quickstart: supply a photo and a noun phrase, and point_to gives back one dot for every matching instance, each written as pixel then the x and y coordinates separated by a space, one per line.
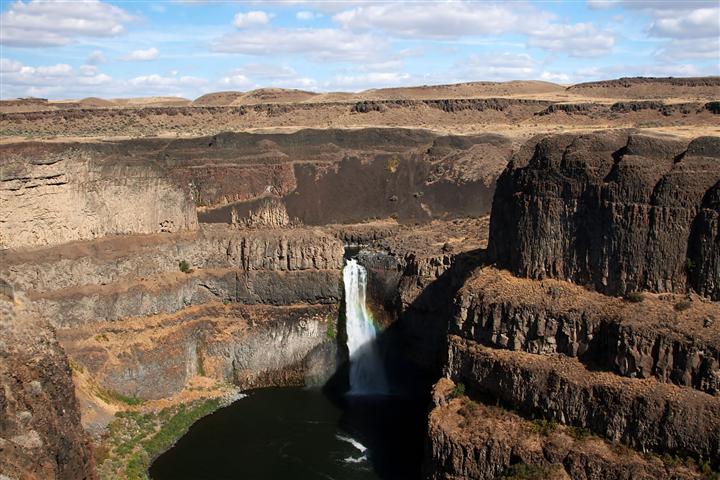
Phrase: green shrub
pixel 635 297
pixel 683 305
pixel 458 391
pixel 579 433
pixel 543 427
pixel 330 331
pixel 184 266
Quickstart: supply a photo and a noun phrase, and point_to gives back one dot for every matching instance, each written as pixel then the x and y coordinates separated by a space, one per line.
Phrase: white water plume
pixel 367 376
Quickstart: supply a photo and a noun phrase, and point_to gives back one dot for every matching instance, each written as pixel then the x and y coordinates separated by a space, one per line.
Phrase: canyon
pixel 542 265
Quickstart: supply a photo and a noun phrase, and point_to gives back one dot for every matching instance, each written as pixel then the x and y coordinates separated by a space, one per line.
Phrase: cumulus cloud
pixel 96 57
pixel 555 77
pixel 315 44
pixel 265 75
pixel 579 40
pixel 156 80
pixel 53 23
pixel 699 23
pixel 236 80
pixel 250 19
pixel 63 81
pixel 441 20
pixel 141 55
pixel 24 80
pixel 456 19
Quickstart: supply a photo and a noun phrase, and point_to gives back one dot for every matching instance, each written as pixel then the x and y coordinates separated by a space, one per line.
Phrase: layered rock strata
pixel 52 195
pixel 479 441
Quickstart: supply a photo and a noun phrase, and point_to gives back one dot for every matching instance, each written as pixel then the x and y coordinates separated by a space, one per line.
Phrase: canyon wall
pixel 40 432
pixel 613 210
pixel 59 193
pixel 543 351
pixel 142 327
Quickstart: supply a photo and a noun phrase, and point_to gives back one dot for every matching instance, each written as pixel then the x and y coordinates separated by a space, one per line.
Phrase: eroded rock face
pixel 473 440
pixel 648 339
pixel 40 432
pixel 54 194
pixel 247 345
pixel 704 246
pixel 610 209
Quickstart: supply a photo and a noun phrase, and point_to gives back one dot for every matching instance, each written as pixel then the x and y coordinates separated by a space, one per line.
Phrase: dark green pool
pixel 296 433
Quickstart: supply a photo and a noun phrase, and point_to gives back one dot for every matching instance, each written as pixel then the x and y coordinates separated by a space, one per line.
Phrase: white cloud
pixel 316 44
pixel 441 20
pixel 237 80
pixel 251 19
pixel 700 23
pixel 156 80
pixel 580 40
pixel 141 55
pixel 8 66
pixel 63 81
pixel 17 79
pixel 306 15
pixel 555 77
pixel 96 57
pixel 52 23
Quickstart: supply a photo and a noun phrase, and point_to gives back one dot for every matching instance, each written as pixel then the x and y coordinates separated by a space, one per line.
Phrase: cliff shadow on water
pixel 412 349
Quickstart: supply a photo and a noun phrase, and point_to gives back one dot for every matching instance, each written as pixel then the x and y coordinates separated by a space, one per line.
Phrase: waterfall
pixel 367 376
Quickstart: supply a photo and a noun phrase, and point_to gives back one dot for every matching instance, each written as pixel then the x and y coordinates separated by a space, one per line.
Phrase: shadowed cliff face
pixel 614 210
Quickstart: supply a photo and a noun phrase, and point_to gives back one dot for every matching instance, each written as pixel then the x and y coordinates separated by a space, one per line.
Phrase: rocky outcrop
pixel 648 338
pixel 677 420
pixel 156 356
pixel 54 194
pixel 478 441
pixel 608 209
pixel 40 432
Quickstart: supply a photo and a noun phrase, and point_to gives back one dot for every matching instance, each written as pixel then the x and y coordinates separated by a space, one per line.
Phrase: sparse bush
pixel 635 297
pixel 458 391
pixel 330 332
pixel 102 338
pixel 543 427
pixel 184 266
pixel 579 433
pixel 683 305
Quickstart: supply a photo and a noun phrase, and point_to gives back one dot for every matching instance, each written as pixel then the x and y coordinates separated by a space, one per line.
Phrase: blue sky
pixel 75 49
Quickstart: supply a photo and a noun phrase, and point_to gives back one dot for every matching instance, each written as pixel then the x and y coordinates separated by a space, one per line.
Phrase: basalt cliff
pixel 545 273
